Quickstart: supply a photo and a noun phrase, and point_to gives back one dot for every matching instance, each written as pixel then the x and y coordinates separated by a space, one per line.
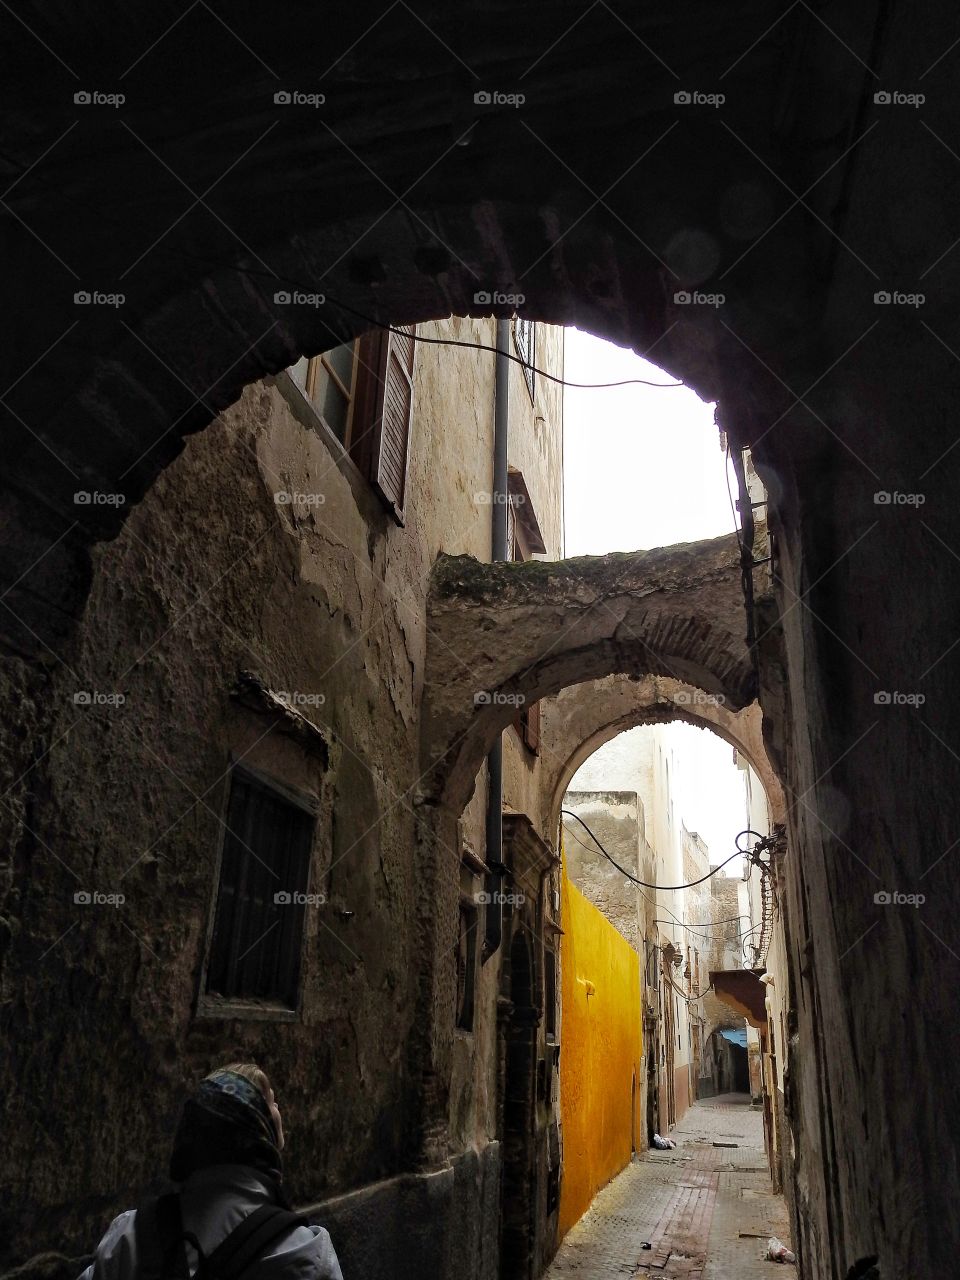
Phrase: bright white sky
pixel 643 468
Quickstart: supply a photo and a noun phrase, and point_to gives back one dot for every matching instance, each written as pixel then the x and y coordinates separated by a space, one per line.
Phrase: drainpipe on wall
pixel 498 551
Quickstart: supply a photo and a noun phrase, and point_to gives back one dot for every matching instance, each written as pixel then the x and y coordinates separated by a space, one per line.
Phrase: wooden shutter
pixel 531 726
pixel 392 413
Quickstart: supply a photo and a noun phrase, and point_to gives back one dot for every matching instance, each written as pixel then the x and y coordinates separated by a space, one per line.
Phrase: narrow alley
pixel 704 1210
pixel 479 639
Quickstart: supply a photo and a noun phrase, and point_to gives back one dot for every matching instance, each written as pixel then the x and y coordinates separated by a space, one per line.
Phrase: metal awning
pixel 743 991
pixel 736 1036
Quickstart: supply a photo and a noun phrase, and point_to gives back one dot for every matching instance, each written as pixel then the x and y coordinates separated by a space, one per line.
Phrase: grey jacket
pixel 214 1201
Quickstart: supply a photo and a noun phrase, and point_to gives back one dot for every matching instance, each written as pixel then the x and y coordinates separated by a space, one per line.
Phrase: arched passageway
pixel 800 201
pixel 582 717
pixel 499 633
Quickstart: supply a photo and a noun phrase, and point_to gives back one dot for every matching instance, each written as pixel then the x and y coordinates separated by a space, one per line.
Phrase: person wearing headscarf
pixel 225 1167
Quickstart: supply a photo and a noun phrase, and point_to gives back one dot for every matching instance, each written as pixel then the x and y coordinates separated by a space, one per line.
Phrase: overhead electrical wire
pixel 279 278
pixel 482 346
pixel 645 884
pixel 682 994
pixel 658 906
pixel 669 888
pixel 697 930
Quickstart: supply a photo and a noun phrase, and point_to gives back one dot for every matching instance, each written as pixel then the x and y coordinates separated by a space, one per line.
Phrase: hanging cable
pixel 709 924
pixel 659 906
pixel 481 346
pixel 251 272
pixel 668 888
pixel 682 994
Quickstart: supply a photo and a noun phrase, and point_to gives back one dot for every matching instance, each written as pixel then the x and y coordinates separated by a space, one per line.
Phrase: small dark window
pixel 466 966
pixel 258 927
pixel 525 337
pixel 550 991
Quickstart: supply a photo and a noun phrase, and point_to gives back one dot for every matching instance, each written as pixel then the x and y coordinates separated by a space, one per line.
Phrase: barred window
pixel 466 965
pixel 264 869
pixel 525 337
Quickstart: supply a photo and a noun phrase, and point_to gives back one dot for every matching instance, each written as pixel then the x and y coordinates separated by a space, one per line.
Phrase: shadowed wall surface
pixel 808 197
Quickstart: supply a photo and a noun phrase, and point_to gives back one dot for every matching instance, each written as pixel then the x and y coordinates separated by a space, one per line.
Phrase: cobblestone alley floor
pixel 706 1210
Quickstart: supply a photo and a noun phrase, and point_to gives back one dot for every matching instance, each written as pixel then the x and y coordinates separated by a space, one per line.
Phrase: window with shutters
pixel 525 340
pixel 329 382
pixel 257 935
pixel 362 392
pixel 390 413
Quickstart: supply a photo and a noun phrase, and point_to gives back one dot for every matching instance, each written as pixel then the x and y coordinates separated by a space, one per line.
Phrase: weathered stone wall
pixel 616 818
pixel 839 400
pixel 212 576
pixel 529 630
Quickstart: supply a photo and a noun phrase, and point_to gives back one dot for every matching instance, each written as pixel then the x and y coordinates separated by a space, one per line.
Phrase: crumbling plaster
pixel 217 575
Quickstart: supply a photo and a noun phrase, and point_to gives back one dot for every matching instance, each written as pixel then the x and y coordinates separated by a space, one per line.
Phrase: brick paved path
pixel 690 1204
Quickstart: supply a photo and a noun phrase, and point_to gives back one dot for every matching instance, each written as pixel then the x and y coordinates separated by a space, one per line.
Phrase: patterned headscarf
pixel 227 1121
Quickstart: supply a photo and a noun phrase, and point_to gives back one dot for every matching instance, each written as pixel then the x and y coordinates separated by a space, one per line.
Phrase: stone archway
pixel 502 634
pixel 839 400
pixel 582 717
pixel 200 208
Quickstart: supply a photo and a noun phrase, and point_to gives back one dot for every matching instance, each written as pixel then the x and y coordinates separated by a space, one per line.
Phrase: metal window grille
pixel 258 926
pixel 525 336
pixel 466 966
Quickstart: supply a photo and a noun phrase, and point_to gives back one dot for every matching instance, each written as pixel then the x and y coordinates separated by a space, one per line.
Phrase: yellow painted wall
pixel 599 1052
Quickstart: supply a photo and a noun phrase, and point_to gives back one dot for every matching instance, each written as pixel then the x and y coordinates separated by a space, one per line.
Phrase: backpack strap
pixel 160 1239
pixel 247 1241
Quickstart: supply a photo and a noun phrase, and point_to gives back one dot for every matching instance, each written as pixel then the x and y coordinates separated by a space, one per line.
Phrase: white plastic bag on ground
pixel 778 1252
